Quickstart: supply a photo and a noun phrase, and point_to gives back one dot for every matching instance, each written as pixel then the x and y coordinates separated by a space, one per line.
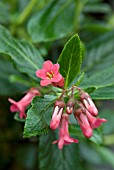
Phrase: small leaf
pixel 70 59
pixel 39 116
pixel 16 117
pixel 25 56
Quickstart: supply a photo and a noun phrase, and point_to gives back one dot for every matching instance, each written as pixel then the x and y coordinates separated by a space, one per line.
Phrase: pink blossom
pixel 84 123
pixel 88 103
pixel 64 138
pixel 57 113
pixel 21 105
pixel 94 122
pixel 50 74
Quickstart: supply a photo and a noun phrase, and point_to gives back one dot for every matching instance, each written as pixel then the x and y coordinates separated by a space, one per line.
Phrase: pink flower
pixel 50 74
pixel 94 122
pixel 21 105
pixel 84 123
pixel 88 103
pixel 57 113
pixel 64 138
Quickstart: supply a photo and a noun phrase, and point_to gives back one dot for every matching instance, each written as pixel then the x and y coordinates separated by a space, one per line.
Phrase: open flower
pixel 94 122
pixel 64 138
pixel 21 105
pixel 87 122
pixel 50 74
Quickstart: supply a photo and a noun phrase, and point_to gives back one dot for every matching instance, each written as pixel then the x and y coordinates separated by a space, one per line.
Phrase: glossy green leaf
pixel 25 56
pixel 52 22
pixel 70 60
pixel 51 158
pixel 39 116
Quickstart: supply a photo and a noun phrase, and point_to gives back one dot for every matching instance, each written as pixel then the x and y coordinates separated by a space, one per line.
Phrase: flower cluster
pixel 84 111
pixel 21 105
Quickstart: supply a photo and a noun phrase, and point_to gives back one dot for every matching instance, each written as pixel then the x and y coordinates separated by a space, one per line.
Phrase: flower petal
pixel 56 78
pixel 45 82
pixel 47 65
pixel 41 73
pixel 55 68
pixel 14 108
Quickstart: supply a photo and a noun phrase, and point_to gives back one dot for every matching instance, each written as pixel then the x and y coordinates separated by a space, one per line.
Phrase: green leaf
pixel 4 13
pixel 48 25
pixel 106 154
pixel 80 79
pixel 25 56
pixel 6 87
pixel 51 158
pixel 39 116
pixel 70 60
pixel 75 130
pixel 97 7
pixel 100 79
pixel 108 127
pixel 103 93
pixel 100 53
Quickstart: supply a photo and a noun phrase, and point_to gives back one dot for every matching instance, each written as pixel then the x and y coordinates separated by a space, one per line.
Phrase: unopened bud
pixel 88 103
pixel 70 107
pixel 57 113
pixel 59 103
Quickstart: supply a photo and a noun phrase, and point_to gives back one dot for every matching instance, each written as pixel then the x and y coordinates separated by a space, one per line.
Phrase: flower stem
pixel 26 12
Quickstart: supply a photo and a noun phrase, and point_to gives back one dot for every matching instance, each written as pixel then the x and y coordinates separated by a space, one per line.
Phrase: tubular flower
pixel 50 74
pixel 94 122
pixel 64 138
pixel 88 103
pixel 83 122
pixel 21 105
pixel 57 113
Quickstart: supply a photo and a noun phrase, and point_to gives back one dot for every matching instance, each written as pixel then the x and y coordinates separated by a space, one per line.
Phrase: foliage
pixel 79 36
